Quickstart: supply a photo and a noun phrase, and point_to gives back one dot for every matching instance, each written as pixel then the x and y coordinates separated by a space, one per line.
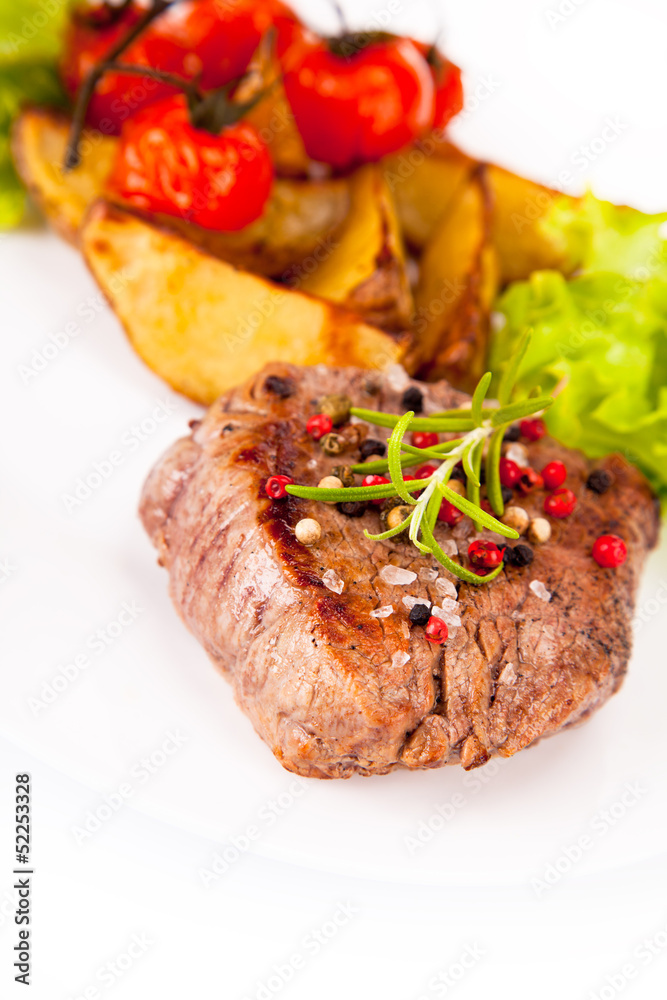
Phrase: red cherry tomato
pixel 610 551
pixel 448 85
pixel 358 104
pixel 206 37
pixel 163 164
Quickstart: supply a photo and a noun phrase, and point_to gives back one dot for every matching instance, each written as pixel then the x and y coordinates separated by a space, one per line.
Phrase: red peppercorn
pixel 425 471
pixel 376 481
pixel 554 475
pixel 610 551
pixel 275 486
pixel 533 430
pixel 424 439
pixel 484 555
pixel 450 514
pixel 436 631
pixel 529 482
pixel 560 503
pixel 510 472
pixel 319 425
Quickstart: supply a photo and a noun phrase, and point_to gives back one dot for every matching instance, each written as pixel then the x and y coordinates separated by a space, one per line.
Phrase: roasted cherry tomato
pixel 358 97
pixel 164 164
pixel 207 38
pixel 448 85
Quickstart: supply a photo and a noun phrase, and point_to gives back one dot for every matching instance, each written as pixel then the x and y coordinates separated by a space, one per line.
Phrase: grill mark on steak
pixel 320 678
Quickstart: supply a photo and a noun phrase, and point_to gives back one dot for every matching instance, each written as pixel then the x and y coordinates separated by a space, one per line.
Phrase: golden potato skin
pixel 203 325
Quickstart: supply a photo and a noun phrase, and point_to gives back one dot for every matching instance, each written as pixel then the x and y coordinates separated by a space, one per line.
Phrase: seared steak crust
pixel 325 684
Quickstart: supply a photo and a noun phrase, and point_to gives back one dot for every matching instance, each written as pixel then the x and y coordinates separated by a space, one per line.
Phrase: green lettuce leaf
pixel 30 38
pixel 604 336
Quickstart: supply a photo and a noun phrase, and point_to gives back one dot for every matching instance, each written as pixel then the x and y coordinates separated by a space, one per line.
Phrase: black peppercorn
pixel 458 473
pixel 352 508
pixel 512 433
pixel 507 494
pixel 282 387
pixel 599 481
pixel 420 614
pixel 371 446
pixel 520 555
pixel 413 399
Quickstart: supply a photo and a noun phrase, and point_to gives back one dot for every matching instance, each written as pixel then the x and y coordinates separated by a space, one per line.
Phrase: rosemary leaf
pixel 441 424
pixel 515 411
pixel 494 488
pixel 394 457
pixel 463 574
pixel 391 531
pixel 478 398
pixel 511 372
pixel 486 520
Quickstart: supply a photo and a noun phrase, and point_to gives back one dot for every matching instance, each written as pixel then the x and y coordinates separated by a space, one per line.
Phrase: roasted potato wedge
pixel 39 139
pixel 203 325
pixel 424 180
pixel 522 243
pixel 457 286
pixel 365 269
pixel 301 216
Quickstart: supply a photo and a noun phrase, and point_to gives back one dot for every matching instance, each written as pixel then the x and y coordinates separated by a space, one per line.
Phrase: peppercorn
pixel 510 473
pixel 420 614
pixel 282 387
pixel 308 531
pixel 512 434
pixel 539 530
pixel 424 439
pixel 413 399
pixel 330 483
pixel 333 444
pixel 458 472
pixel 345 474
pixel 319 425
pixel 519 555
pixel 371 446
pixel 376 481
pixel 506 494
pixel 396 515
pixel 533 430
pixel 352 508
pixel 599 481
pixel 529 482
pixel 560 503
pixel 484 555
pixel 610 551
pixel 437 631
pixel 337 406
pixel 554 475
pixel 517 518
pixel 275 486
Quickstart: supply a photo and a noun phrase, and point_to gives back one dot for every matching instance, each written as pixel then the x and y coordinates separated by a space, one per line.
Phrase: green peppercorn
pixel 337 407
pixel 333 444
pixel 345 474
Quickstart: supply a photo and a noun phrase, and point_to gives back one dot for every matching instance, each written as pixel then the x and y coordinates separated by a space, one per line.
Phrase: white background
pixel 541 89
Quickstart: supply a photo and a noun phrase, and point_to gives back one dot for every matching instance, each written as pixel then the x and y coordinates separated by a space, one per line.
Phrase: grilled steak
pixel 333 690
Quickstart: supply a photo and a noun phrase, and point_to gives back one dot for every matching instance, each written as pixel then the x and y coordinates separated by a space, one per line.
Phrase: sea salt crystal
pixel 517 453
pixel 383 612
pixel 399 658
pixel 463 528
pixel 507 675
pixel 397 378
pixel 396 576
pixel 312 464
pixel 449 547
pixel 448 617
pixel 428 575
pixel 445 587
pixel 410 602
pixel 540 590
pixel 332 581
pixel 449 606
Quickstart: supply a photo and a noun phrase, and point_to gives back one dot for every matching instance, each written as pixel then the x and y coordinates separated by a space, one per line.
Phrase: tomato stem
pixel 72 153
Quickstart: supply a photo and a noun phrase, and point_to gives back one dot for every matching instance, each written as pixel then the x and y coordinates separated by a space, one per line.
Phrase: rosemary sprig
pixel 479 428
